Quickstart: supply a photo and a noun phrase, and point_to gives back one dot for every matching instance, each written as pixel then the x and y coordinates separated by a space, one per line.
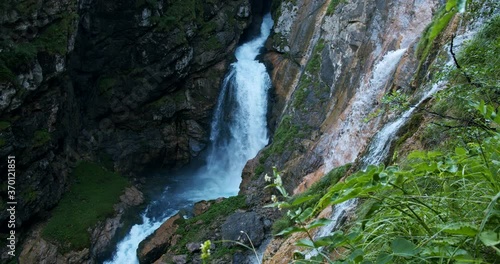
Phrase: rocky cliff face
pixel 130 84
pixel 37 100
pixel 333 61
pixel 149 76
pixel 328 86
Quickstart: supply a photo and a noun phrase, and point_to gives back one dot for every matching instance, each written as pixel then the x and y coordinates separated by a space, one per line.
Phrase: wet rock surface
pixel 108 82
pixel 154 246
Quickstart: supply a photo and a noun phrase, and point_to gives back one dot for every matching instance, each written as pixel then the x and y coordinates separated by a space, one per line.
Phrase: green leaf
pixel 417 155
pixel 490 238
pixel 403 247
pixel 337 239
pixel 305 242
pixel 497 119
pixel 450 4
pixel 460 151
pixel 383 258
pixel 302 200
pixel 459 229
pixel 434 154
pixel 305 215
pixel 318 223
pixel 357 255
pixel 352 193
pixel 298 255
pixel 291 230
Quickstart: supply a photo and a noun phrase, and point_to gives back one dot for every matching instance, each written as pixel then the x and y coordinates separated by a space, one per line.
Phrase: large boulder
pixel 242 226
pixel 154 246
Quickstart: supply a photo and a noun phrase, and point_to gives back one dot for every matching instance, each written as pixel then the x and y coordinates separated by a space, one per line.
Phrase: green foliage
pixel 438 24
pixel 259 169
pixel 41 137
pixel 457 120
pixel 373 115
pixel 106 84
pixel 302 92
pixel 54 39
pixel 331 8
pixel 480 60
pixel 441 207
pixel 213 43
pixel 310 197
pixel 2 142
pixel 283 137
pixel 314 64
pixel 310 79
pixel 26 7
pixel 91 197
pixel 396 100
pixel 190 229
pixel 4 125
pixel 12 56
pixel 178 12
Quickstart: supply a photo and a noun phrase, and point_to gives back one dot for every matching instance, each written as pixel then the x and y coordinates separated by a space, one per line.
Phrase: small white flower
pixel 267 178
pixel 273 198
pixel 277 181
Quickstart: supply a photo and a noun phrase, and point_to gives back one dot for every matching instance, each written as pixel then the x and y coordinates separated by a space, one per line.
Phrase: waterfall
pixel 382 72
pixel 377 151
pixel 380 144
pixel 238 132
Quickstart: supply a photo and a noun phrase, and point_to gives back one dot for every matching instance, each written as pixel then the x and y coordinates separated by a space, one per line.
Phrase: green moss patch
pixel 438 24
pixel 192 231
pixel 91 197
pixel 54 39
pixel 4 125
pixel 331 8
pixel 283 137
pixel 40 138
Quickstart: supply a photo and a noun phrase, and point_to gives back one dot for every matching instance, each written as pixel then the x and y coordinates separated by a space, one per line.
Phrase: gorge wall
pixel 128 84
pixel 327 84
pixel 332 63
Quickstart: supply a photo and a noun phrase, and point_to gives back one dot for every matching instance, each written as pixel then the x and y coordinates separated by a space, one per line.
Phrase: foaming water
pixel 383 70
pixel 349 133
pixel 238 132
pixel 377 152
pixel 381 143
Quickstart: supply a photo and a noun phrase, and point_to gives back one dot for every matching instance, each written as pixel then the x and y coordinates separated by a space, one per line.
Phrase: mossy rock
pixel 41 137
pixel 4 125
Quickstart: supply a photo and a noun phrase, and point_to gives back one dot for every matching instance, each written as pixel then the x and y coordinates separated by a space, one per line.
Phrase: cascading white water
pixel 348 133
pixel 381 143
pixel 239 131
pixel 382 72
pixel 377 151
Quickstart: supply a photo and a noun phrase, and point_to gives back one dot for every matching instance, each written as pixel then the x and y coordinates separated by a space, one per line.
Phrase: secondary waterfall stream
pixel 239 131
pixel 378 149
